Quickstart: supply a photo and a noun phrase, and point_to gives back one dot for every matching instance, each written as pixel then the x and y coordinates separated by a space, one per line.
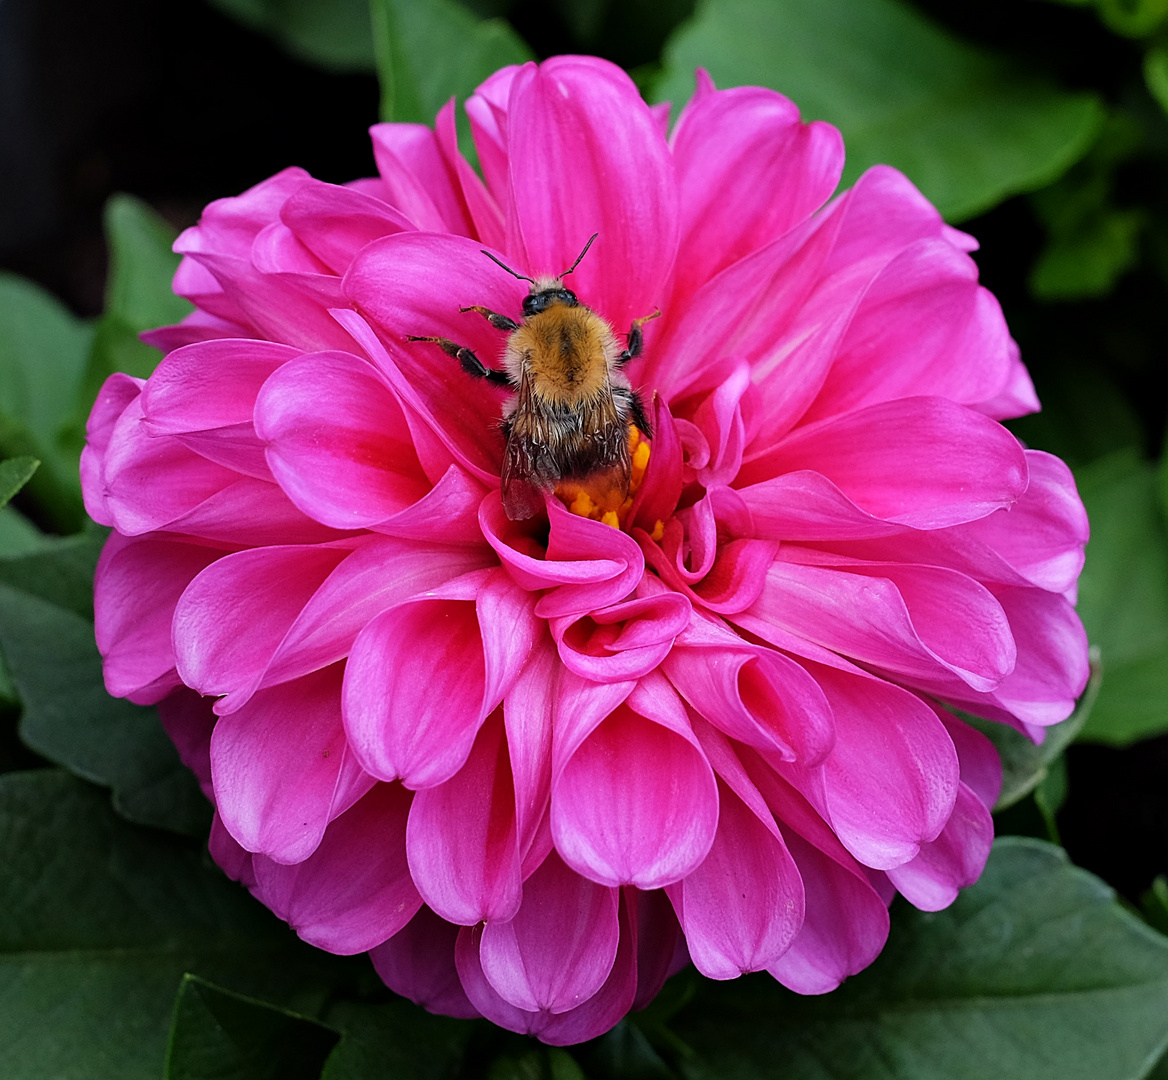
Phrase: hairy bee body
pixel 573 407
pixel 571 414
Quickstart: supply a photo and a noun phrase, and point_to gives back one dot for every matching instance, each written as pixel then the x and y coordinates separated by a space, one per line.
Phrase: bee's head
pixel 546 291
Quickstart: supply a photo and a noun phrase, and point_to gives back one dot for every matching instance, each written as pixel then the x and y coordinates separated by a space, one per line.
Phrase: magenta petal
pixel 981 767
pixel 418 963
pixel 748 171
pixel 372 579
pixel 586 1021
pixel 892 776
pixel 1043 534
pixel 136 588
pixel 578 127
pixel 559 948
pixel 844 930
pixel 755 695
pixel 416 691
pixel 277 765
pixel 233 616
pixel 337 441
pixel 335 222
pixel 742 907
pixel 419 180
pixel 462 841
pixel 235 861
pixel 924 462
pixel 954 860
pixel 646 834
pixel 350 894
pixel 189 720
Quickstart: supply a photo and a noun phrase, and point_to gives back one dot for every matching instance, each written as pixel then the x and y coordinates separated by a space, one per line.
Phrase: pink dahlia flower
pixel 533 766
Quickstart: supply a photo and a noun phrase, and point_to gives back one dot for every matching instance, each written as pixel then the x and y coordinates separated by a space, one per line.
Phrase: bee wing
pixel 529 468
pixel 522 496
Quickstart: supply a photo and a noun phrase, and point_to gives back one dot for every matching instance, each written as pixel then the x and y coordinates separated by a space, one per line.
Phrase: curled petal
pixel 418 963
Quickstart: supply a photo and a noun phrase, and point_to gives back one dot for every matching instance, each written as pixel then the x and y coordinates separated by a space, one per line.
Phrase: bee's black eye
pixel 534 303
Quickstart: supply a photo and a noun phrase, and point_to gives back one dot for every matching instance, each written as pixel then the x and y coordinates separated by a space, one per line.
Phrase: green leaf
pixel 1034 973
pixel 47 642
pixel 18 535
pixel 102 919
pixel 1024 764
pixel 138 297
pixel 967 127
pixel 1154 904
pixel 220 1035
pixel 394 1039
pixel 1133 18
pixel 42 362
pixel 333 34
pixel 1156 74
pixel 14 474
pixel 1123 598
pixel 430 50
pixel 624 1053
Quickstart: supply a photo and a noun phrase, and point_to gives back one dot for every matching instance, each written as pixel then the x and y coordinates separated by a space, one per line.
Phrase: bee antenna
pixel 580 256
pixel 521 277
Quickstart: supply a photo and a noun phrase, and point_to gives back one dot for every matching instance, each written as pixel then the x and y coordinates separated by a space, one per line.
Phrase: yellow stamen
pixel 658 530
pixel 599 498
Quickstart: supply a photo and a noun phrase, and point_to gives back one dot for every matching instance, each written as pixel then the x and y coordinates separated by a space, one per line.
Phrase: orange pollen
pixel 602 497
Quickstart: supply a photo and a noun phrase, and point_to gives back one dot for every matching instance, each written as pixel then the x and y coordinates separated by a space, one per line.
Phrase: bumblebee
pixel 569 426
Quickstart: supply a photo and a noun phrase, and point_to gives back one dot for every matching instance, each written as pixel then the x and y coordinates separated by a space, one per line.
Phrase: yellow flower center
pixel 601 497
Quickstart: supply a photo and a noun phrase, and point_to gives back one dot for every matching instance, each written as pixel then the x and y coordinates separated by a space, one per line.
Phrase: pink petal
pixel 923 462
pixel 954 860
pixel 748 171
pixel 892 776
pixel 461 839
pixel 335 222
pixel 588 1020
pixel 350 894
pixel 528 716
pixel 338 443
pixel 279 764
pixel 646 834
pixel 896 622
pixel 924 327
pixel 137 585
pixel 235 861
pixel 578 127
pixel 422 678
pixel 844 930
pixel 233 616
pixel 419 181
pixel 755 695
pixel 418 963
pixel 189 720
pixel 742 907
pixel 981 767
pixel 1043 534
pixel 414 284
pixel 559 948
pixel 116 395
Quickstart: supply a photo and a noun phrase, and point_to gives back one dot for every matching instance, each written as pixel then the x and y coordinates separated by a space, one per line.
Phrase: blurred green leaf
pixel 138 297
pixel 431 50
pixel 333 34
pixel 101 920
pixel 14 474
pixel 1156 74
pixel 18 535
pixel 220 1035
pixel 1154 904
pixel 1025 765
pixel 1084 417
pixel 1034 973
pixel 624 1053
pixel 967 127
pixel 42 362
pixel 46 636
pixel 1123 598
pixel 1133 18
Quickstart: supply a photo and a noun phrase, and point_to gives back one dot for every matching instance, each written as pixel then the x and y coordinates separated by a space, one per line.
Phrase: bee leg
pixel 636 340
pixel 499 322
pixel 470 363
